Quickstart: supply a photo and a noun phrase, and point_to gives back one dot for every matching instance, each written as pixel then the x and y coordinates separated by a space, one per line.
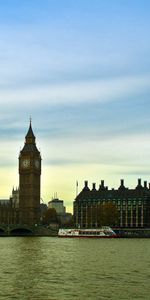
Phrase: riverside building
pixel 132 205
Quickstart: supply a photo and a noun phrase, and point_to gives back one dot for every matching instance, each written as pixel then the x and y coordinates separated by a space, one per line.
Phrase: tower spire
pixel 30 141
pixel 30 137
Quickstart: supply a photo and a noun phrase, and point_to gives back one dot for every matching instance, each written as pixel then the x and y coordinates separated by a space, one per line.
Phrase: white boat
pixel 103 232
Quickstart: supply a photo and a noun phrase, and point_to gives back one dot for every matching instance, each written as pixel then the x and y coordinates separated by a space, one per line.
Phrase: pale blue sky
pixel 81 69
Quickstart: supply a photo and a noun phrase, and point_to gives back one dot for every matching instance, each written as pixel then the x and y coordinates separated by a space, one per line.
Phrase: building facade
pixel 132 205
pixel 9 208
pixel 5 208
pixel 14 198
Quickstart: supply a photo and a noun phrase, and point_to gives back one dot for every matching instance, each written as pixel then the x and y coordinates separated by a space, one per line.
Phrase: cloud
pixel 85 80
pixel 77 92
pixel 126 152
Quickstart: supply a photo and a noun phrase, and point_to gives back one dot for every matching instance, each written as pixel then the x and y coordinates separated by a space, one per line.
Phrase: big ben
pixel 29 181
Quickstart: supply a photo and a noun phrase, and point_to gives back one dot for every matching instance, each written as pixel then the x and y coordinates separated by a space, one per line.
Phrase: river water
pixel 64 269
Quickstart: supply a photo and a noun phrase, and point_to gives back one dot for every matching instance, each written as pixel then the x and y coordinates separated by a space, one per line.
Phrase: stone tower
pixel 29 181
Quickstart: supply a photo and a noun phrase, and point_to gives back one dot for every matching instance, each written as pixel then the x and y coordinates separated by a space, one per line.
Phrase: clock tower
pixel 29 181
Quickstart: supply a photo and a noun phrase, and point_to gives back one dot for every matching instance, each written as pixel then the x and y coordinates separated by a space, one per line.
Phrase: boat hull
pixel 89 237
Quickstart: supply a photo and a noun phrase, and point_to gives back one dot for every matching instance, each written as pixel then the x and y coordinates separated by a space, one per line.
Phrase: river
pixel 51 268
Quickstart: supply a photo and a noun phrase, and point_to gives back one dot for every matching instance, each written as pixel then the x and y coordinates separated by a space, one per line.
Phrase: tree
pixel 68 223
pixel 50 216
pixel 107 214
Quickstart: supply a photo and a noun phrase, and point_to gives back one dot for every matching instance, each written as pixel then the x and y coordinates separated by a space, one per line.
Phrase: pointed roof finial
pixel 30 133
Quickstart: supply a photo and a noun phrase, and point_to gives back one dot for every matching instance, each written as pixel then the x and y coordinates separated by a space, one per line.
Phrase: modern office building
pixel 58 205
pixel 63 216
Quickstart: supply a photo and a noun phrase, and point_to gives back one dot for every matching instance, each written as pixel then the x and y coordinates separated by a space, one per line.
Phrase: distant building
pixel 9 208
pixel 58 205
pixel 4 202
pixel 14 198
pixel 4 210
pixel 133 205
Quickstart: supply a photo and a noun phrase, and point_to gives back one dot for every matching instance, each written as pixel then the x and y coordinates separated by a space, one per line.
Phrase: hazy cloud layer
pixel 81 70
pixel 90 91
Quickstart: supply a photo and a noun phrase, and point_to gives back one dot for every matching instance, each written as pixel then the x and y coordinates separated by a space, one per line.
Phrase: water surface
pixel 51 268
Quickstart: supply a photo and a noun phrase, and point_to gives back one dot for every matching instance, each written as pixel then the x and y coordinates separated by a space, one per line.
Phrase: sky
pixel 81 70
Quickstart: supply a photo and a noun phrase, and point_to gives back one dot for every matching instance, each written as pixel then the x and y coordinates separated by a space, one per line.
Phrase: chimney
pixel 139 182
pixel 122 182
pixel 102 183
pixel 145 184
pixel 94 186
pixel 86 183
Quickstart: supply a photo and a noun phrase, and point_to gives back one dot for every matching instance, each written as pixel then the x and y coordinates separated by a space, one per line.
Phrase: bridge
pixel 26 230
pixel 16 230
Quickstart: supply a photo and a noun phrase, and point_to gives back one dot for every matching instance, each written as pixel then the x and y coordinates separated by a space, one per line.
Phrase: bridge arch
pixel 2 231
pixel 21 231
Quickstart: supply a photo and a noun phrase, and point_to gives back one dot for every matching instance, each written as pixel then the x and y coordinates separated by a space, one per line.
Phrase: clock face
pixel 37 163
pixel 26 163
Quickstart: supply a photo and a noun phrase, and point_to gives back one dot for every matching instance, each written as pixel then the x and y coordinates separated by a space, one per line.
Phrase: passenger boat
pixel 103 232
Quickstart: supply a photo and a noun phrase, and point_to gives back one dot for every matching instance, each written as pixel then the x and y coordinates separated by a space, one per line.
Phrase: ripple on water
pixel 66 269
